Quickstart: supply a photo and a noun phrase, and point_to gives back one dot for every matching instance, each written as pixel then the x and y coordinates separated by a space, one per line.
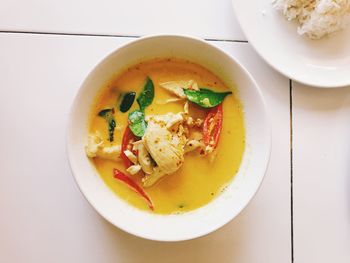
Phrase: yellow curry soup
pixel 201 176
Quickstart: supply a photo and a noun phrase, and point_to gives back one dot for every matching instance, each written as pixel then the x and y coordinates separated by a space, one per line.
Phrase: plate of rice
pixel 306 40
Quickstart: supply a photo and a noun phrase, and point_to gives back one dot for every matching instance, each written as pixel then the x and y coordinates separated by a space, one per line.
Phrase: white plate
pixel 322 63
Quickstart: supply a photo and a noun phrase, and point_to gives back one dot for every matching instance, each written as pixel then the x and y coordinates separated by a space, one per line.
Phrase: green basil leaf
pixel 146 96
pixel 137 123
pixel 206 98
pixel 108 115
pixel 127 101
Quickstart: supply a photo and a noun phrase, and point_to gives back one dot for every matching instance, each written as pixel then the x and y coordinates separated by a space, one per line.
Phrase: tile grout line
pixel 291 166
pixel 226 40
pixel 101 35
pixel 65 34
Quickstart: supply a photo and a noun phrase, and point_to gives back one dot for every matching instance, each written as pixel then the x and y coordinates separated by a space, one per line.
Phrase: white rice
pixel 316 18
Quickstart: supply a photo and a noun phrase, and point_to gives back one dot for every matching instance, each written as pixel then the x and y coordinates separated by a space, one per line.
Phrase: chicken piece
pixel 196 135
pixel 192 85
pixel 209 149
pixel 150 180
pixel 94 143
pixel 174 119
pixel 163 102
pixel 198 123
pixel 174 88
pixel 169 120
pixel 95 148
pixel 134 169
pixel 181 131
pixel 110 152
pixel 186 108
pixel 166 149
pixel 192 145
pixel 143 157
pixel 177 87
pixel 189 121
pixel 132 157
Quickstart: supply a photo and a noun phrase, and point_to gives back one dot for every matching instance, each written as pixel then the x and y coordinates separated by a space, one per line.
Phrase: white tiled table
pixel 46 50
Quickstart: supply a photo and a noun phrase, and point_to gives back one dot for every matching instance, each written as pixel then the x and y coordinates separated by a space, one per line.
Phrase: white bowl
pixel 227 205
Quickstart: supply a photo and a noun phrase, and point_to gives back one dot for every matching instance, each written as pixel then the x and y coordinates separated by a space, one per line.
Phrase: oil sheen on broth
pixel 201 177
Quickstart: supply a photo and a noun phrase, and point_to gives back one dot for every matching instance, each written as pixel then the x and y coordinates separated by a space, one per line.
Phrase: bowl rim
pixel 70 125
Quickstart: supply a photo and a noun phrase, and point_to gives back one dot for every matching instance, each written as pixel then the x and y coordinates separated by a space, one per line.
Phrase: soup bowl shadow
pixel 237 194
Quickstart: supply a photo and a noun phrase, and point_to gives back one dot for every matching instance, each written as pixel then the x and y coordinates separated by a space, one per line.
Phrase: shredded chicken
pixel 143 157
pixel 163 102
pixel 196 135
pixel 209 149
pixel 193 145
pixel 190 121
pixel 186 108
pixel 134 169
pixel 132 157
pixel 174 88
pixel 177 87
pixel 198 123
pixel 174 120
pixel 110 152
pixel 95 147
pixel 157 174
pixel 165 118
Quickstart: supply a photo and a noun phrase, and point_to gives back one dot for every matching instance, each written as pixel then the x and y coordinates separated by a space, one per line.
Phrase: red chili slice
pixel 128 138
pixel 212 126
pixel 133 185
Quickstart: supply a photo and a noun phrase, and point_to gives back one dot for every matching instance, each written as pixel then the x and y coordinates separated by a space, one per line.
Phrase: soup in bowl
pixel 168 138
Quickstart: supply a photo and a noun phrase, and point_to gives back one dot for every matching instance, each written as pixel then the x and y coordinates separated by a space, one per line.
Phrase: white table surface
pixel 46 50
